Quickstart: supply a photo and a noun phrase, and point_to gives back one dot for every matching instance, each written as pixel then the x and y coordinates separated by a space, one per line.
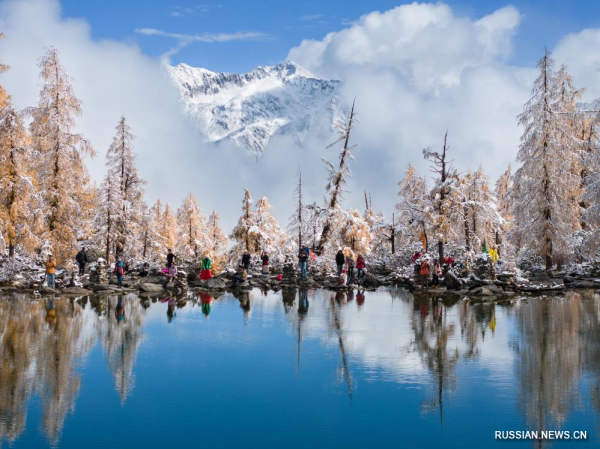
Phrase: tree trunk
pixel 441 251
pixel 467 232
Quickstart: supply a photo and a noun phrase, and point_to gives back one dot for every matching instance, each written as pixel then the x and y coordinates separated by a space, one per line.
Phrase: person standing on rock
pixel 205 272
pixel 172 273
pixel 350 268
pixel 303 260
pixel 82 260
pixel 343 278
pixel 246 260
pixel 360 267
pixel 425 272
pixel 437 272
pixel 265 263
pixel 51 271
pixel 339 261
pixel 119 271
pixel 170 258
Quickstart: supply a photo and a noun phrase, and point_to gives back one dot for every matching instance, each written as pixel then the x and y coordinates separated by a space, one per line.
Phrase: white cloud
pixel 579 51
pixel 418 70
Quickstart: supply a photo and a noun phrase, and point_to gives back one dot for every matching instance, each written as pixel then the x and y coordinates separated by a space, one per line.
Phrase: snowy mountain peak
pixel 252 108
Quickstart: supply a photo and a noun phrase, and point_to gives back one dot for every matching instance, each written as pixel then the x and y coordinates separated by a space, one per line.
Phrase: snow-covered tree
pixel 242 234
pixel 337 178
pixel 129 194
pixel 478 210
pixel 297 221
pixel 18 199
pixel 105 233
pixel 217 240
pixel 61 172
pixel 150 244
pixel 168 228
pixel 4 97
pixel 591 216
pixel 548 209
pixel 503 194
pixel 414 208
pixel 313 221
pixel 193 238
pixel 266 234
pixel 443 195
pixel 355 232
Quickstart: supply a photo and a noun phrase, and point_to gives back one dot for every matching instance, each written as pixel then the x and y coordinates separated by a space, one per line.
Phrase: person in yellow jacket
pixel 51 271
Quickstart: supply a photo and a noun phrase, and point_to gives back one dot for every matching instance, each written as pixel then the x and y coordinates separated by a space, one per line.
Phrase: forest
pixel 546 211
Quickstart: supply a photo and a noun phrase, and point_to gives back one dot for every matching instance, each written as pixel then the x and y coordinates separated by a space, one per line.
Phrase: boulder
pixel 452 281
pixel 148 287
pixel 216 283
pixel 44 290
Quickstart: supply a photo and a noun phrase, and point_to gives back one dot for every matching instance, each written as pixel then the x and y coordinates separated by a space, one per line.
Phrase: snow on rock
pixel 251 109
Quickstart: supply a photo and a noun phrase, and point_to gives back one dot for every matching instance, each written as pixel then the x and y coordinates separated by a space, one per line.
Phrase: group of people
pixel 346 265
pixel 424 269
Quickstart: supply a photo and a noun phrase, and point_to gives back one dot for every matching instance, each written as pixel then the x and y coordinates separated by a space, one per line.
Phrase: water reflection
pixel 121 337
pixel 543 352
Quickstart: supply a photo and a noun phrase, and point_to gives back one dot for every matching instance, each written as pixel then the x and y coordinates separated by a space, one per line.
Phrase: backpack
pixel 119 269
pixel 425 269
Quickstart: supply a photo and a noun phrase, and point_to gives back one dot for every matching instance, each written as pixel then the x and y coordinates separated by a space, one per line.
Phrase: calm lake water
pixel 297 370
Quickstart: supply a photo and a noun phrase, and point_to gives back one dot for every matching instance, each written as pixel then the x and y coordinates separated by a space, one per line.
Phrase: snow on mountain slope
pixel 251 109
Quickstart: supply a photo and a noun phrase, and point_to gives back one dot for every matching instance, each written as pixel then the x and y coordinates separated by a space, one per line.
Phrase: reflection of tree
pixel 432 332
pixel 337 325
pixel 121 340
pixel 475 320
pixel 590 331
pixel 65 342
pixel 21 326
pixel 549 359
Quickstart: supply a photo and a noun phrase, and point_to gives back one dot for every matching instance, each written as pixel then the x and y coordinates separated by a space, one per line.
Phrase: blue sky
pixel 286 23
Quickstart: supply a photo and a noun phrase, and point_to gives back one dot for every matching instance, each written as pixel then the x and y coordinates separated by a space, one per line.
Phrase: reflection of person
pixel 205 300
pixel 50 312
pixel 170 309
pixel 51 271
pixel 120 310
pixel 360 298
pixel 303 304
pixel 340 297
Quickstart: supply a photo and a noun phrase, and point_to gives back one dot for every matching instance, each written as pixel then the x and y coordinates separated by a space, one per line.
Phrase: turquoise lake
pixel 297 369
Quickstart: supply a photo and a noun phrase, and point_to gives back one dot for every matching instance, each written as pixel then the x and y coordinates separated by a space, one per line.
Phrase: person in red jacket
pixel 360 266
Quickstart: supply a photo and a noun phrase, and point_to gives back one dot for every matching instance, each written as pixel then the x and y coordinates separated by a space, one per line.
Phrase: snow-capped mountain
pixel 251 109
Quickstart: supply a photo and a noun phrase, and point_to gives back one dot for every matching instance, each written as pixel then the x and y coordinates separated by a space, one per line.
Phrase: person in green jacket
pixel 205 272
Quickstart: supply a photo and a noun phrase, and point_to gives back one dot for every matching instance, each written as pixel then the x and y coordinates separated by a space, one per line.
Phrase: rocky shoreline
pixel 487 286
